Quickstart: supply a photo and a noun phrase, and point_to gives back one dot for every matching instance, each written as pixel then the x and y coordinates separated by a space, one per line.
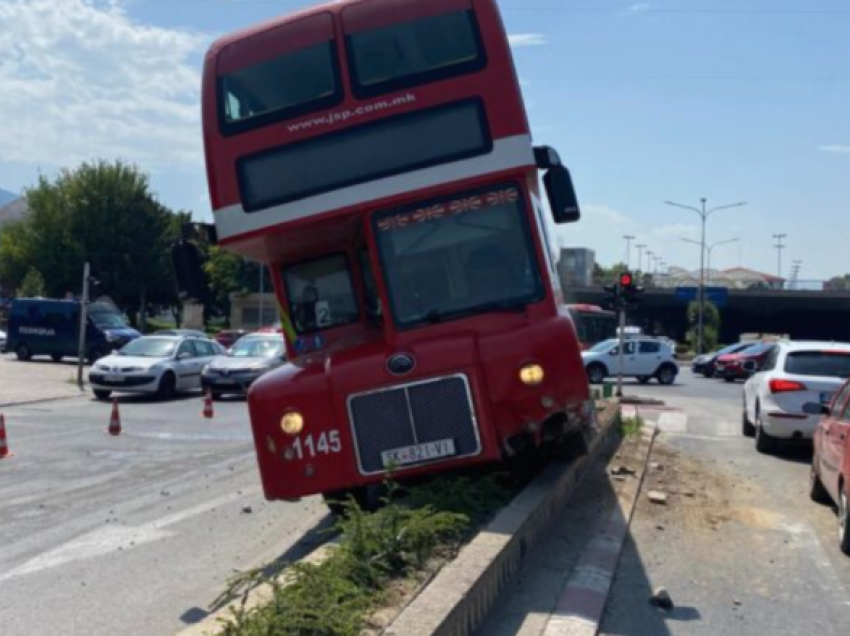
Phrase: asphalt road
pixel 751 555
pixel 133 535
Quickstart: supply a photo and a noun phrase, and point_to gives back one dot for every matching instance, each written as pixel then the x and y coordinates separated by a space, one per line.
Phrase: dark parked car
pixel 228 337
pixel 705 363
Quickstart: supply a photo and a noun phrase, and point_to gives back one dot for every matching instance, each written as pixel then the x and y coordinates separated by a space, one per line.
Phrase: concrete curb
pixel 581 604
pixel 81 394
pixel 462 594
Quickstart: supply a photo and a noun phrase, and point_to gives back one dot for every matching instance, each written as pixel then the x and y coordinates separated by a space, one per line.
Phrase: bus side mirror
pixel 562 195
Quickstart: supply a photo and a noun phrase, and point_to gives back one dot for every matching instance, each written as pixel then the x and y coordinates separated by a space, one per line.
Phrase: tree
pixel 608 274
pixel 711 325
pixel 33 285
pixel 229 274
pixel 102 213
pixel 838 283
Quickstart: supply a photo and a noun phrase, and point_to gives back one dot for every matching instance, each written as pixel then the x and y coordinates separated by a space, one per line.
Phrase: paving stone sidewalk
pixel 36 380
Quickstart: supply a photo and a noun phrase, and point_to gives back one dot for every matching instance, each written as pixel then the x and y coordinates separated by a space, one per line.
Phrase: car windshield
pixel 149 348
pixel 602 347
pixel 257 348
pixel 451 258
pixel 756 349
pixel 834 364
pixel 105 319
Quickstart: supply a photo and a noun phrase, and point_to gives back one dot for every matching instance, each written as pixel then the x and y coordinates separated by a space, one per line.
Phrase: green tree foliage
pixel 229 274
pixel 102 213
pixel 711 325
pixel 33 285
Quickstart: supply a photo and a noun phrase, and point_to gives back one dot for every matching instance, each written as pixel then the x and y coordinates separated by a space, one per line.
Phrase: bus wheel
pixel 23 352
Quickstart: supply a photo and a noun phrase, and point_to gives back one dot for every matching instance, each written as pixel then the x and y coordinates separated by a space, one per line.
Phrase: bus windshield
pixel 457 257
pixel 321 294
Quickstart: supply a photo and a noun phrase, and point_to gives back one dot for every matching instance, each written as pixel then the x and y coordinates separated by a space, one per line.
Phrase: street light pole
pixel 703 214
pixel 629 240
pixel 779 247
pixel 709 249
pixel 640 249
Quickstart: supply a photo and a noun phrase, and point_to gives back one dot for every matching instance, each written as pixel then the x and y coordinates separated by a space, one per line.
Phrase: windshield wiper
pixel 435 316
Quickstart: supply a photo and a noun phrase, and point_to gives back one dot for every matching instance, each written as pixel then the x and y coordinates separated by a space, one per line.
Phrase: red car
pixel 830 477
pixel 741 365
pixel 228 337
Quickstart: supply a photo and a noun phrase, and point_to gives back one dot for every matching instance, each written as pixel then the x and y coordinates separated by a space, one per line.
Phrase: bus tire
pixel 23 352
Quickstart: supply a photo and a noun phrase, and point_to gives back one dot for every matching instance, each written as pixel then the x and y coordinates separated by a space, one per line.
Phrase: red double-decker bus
pixel 376 155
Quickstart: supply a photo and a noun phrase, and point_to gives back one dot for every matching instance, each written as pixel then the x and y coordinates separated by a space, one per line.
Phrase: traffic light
pixel 629 290
pixel 612 296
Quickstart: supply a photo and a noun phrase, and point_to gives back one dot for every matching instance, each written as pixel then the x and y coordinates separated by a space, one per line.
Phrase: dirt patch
pixel 702 497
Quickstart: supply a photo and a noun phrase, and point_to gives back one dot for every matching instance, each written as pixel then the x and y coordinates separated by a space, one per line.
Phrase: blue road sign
pixel 718 296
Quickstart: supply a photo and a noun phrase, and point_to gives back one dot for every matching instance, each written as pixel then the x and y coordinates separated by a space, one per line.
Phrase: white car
pixel 156 364
pixel 793 374
pixel 249 358
pixel 643 358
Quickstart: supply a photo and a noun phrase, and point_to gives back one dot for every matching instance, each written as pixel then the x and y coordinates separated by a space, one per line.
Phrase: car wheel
pixel 666 375
pixel 747 427
pixel 596 373
pixel 56 357
pixel 709 373
pixel 100 394
pixel 644 379
pixel 23 352
pixel 729 379
pixel 167 386
pixel 817 491
pixel 764 443
pixel 843 521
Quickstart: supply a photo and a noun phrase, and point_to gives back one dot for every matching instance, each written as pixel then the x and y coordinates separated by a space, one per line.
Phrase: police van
pixel 40 326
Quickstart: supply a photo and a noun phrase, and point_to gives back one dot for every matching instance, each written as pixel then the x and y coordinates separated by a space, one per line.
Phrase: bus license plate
pixel 418 453
pixel 114 378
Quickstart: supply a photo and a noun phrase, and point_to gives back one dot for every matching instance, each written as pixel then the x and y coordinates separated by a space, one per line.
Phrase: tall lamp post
pixel 640 249
pixel 779 247
pixel 628 238
pixel 704 213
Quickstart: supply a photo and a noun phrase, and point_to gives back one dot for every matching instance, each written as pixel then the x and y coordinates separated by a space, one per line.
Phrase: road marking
pixel 673 422
pixel 109 539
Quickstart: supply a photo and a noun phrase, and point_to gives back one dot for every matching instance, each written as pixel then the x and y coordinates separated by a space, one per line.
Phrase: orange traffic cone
pixel 208 412
pixel 4 447
pixel 115 420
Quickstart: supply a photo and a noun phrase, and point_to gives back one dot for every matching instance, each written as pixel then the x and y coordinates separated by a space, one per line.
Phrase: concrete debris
pixel 661 598
pixel 656 466
pixel 622 470
pixel 657 497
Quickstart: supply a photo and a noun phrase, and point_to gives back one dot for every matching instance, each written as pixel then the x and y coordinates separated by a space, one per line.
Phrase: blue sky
pixel 726 99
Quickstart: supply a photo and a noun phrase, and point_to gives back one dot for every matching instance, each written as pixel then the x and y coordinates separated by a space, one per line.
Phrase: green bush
pixel 334 598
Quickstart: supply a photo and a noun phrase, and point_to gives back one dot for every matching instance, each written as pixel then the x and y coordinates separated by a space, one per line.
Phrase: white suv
pixel 643 358
pixel 793 374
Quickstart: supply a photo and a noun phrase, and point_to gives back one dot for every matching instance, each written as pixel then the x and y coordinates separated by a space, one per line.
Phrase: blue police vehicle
pixel 41 326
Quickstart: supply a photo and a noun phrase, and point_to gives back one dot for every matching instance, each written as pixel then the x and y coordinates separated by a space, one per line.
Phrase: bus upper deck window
pixel 414 52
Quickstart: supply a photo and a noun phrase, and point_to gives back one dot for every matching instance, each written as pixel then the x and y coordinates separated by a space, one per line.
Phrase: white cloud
pixel 80 80
pixel 641 7
pixel 836 149
pixel 527 39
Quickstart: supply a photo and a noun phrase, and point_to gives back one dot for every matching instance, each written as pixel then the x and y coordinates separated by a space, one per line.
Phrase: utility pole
pixel 779 247
pixel 629 240
pixel 795 274
pixel 640 249
pixel 84 305
pixel 704 213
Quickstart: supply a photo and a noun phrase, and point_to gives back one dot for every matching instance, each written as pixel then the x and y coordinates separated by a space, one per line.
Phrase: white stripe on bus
pixel 511 152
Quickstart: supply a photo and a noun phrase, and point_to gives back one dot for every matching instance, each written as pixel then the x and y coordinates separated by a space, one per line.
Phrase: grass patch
pixel 336 597
pixel 630 426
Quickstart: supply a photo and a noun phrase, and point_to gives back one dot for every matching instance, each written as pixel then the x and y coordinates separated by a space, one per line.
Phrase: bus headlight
pixel 532 374
pixel 292 423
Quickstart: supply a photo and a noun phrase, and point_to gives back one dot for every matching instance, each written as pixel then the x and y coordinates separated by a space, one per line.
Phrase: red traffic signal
pixel 626 279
